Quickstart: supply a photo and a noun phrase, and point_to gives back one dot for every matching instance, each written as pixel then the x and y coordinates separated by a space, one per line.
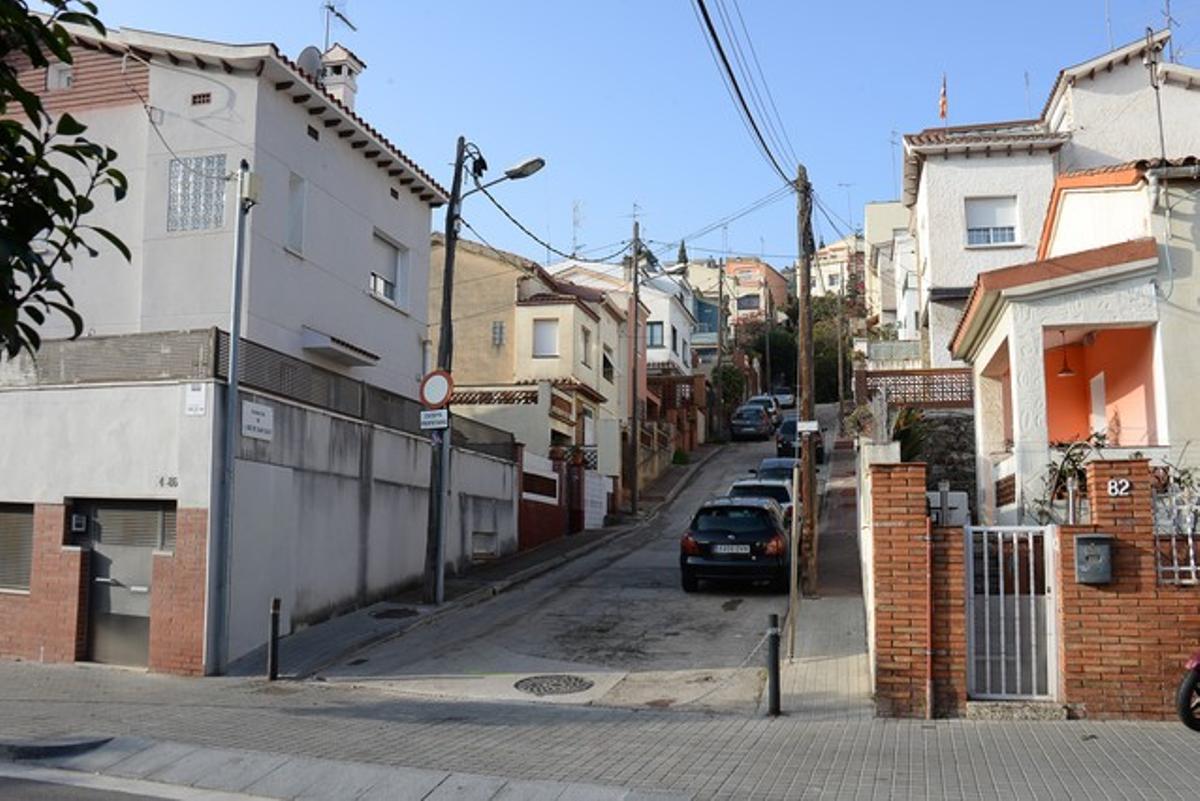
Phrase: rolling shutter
pixel 145 525
pixel 16 546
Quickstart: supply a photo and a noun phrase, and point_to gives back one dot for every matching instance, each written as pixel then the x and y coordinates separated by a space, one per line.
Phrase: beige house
pixel 534 355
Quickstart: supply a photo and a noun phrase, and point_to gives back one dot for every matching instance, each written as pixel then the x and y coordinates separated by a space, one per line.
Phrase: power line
pixel 766 87
pixel 525 230
pixel 741 98
pixel 766 200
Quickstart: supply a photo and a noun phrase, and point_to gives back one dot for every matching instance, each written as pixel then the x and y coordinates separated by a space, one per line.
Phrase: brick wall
pixel 1123 644
pixel 901 559
pixel 177 592
pixel 49 623
pixel 949 623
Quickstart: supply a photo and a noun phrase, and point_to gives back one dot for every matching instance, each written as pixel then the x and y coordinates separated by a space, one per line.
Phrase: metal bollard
pixel 773 665
pixel 273 643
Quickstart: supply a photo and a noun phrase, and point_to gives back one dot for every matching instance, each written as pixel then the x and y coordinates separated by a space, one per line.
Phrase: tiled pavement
pixel 829 679
pixel 704 755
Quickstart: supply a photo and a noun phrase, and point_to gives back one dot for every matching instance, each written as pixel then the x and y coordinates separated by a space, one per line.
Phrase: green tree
pixel 49 175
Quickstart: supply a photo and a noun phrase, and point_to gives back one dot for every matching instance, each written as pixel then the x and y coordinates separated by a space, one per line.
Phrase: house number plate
pixel 1118 487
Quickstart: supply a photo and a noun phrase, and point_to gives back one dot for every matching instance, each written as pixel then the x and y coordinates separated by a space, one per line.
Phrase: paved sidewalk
pixel 829 679
pixel 312 649
pixel 157 767
pixel 706 756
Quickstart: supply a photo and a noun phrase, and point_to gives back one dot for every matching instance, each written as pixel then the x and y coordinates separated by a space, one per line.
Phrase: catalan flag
pixel 943 104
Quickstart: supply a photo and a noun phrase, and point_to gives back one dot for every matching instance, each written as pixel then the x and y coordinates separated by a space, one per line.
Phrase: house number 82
pixel 1118 487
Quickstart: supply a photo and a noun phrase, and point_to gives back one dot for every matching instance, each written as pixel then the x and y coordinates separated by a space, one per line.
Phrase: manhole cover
pixel 560 684
pixel 393 613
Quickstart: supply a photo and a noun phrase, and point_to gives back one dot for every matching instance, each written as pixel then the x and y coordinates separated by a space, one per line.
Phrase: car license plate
pixel 731 549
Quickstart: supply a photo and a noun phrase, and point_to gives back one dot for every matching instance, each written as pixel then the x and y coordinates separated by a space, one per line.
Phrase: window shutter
pixel 992 212
pixel 16 546
pixel 545 337
pixel 145 525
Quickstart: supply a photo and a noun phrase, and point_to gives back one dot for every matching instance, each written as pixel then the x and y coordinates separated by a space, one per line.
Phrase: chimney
pixel 339 74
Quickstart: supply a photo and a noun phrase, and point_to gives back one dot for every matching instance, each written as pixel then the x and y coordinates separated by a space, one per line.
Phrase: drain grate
pixel 556 684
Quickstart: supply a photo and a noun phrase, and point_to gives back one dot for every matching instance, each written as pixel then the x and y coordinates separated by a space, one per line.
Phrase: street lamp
pixel 433 591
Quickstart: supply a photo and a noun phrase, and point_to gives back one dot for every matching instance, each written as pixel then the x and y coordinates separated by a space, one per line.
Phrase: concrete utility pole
pixel 804 538
pixel 636 424
pixel 432 590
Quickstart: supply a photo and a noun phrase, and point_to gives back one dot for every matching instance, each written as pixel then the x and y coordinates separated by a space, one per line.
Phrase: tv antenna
pixel 332 11
pixel 576 225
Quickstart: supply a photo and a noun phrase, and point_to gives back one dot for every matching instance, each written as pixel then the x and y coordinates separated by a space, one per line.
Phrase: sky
pixel 624 101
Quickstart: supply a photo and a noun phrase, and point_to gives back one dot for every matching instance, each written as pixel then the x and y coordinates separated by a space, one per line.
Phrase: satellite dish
pixel 310 62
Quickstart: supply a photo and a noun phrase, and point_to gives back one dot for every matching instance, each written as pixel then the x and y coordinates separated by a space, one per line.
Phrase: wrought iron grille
pixel 1176 514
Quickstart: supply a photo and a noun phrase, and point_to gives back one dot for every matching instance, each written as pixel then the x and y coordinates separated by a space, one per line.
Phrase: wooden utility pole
pixel 804 536
pixel 636 424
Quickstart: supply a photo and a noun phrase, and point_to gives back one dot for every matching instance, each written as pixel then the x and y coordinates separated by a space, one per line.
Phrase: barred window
pixel 16 546
pixel 196 193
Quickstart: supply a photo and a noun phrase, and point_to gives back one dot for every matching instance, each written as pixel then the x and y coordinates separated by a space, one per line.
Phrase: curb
pixel 488 591
pixel 48 749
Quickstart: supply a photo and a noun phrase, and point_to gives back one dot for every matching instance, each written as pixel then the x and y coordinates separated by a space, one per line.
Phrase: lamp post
pixel 433 591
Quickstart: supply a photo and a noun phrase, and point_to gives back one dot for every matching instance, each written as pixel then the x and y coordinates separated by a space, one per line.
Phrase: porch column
pixel 1030 430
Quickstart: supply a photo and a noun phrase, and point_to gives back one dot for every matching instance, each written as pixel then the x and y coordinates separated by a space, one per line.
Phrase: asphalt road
pixel 617 617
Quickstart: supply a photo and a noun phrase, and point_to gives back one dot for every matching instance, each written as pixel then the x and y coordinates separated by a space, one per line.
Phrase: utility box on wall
pixel 1093 558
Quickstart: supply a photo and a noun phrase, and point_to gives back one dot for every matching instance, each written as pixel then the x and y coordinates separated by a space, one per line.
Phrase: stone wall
pixel 949 451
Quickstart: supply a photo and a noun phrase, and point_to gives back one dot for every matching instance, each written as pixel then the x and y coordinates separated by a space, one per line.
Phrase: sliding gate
pixel 1011 646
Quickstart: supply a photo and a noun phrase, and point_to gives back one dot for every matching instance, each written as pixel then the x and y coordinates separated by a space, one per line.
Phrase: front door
pixel 122 537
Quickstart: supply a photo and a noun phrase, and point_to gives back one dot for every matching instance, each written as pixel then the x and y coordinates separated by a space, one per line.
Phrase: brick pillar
pixel 177 593
pixel 1122 644
pixel 901 566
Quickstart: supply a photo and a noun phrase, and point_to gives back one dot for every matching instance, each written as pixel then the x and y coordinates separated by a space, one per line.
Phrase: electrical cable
pixel 791 151
pixel 766 200
pixel 744 106
pixel 538 239
pixel 229 176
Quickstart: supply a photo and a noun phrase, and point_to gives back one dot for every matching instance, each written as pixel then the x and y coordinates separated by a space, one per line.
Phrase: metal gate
pixel 1011 644
pixel 122 537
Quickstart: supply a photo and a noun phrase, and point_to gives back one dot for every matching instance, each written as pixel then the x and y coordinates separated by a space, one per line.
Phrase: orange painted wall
pixel 1066 398
pixel 1126 357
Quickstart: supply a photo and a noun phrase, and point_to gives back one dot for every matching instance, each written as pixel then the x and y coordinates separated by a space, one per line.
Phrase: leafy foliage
pixel 909 430
pixel 49 174
pixel 730 384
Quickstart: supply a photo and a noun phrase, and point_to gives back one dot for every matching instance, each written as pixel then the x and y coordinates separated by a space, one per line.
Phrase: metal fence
pixel 1009 632
pixel 1176 514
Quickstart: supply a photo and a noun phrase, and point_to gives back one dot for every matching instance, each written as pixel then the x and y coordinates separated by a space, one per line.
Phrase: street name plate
pixel 807 426
pixel 258 421
pixel 432 419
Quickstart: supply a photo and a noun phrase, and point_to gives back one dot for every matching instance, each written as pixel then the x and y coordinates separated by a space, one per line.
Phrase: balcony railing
pixel 927 389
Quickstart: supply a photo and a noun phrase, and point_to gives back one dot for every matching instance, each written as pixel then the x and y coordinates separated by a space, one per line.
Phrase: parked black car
pixel 751 422
pixel 786 441
pixel 735 539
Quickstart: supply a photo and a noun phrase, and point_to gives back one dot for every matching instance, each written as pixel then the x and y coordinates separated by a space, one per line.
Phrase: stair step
pixel 1015 710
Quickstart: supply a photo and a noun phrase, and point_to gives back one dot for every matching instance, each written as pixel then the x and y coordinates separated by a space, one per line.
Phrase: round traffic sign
pixel 436 388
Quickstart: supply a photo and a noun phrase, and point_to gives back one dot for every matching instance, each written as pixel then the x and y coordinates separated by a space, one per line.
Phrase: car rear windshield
pixel 788 429
pixel 776 473
pixel 748 414
pixel 774 491
pixel 734 519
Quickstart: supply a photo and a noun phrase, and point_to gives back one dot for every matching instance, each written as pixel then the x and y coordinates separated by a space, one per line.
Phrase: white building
pixel 122 429
pixel 979 193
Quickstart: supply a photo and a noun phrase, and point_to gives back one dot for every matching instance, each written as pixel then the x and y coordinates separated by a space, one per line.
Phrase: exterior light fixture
pixel 1065 371
pixel 525 168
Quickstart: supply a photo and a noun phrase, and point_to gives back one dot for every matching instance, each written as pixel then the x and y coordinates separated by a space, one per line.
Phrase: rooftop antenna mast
pixel 576 225
pixel 1171 23
pixel 332 11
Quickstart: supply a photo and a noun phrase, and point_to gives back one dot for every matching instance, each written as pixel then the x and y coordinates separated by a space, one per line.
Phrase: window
pixel 654 335
pixel 196 193
pixel 834 279
pixel 748 303
pixel 545 339
pixel 586 346
pixel 686 360
pixel 497 332
pixel 59 77
pixel 201 98
pixel 16 546
pixel 674 340
pixel 606 364
pixel 389 279
pixel 295 218
pixel 991 220
pixel 314 134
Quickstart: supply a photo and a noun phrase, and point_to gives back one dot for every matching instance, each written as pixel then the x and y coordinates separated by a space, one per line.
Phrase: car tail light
pixel 689 545
pixel 776 546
